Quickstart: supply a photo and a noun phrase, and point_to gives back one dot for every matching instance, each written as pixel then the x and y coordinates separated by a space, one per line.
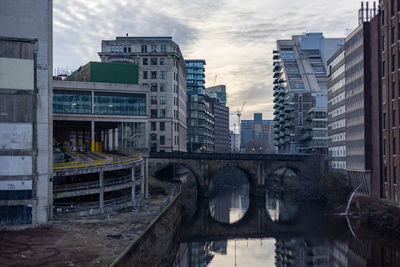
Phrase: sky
pixel 235 37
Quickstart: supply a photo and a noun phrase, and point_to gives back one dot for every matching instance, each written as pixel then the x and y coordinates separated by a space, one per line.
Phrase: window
pixel 393 90
pixel 393 63
pixel 153 48
pixel 153 87
pixel 385 174
pixel 144 48
pixel 153 74
pixel 154 113
pixel 383 69
pixel 394 175
pixel 112 103
pixel 391 8
pixel 145 75
pixel 392 34
pixel 162 113
pixel 153 61
pixel 384 121
pixel 154 100
pixel 162 74
pixel 162 87
pixel 153 137
pixel 129 48
pixel 384 146
pixel 162 61
pixel 163 48
pixel 162 139
pixel 72 102
pixel 145 61
pixel 383 17
pixel 154 126
pixel 162 126
pixel 394 146
pixel 393 118
pixel 162 100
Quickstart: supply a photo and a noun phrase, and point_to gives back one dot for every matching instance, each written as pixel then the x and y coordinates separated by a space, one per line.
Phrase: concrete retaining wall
pixel 159 240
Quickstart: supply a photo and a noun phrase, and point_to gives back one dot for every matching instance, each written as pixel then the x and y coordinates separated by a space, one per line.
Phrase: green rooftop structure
pixel 106 73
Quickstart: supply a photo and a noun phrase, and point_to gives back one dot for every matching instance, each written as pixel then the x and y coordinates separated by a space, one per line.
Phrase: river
pixel 233 229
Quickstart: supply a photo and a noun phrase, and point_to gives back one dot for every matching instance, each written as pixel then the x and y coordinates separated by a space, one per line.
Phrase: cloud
pixel 236 38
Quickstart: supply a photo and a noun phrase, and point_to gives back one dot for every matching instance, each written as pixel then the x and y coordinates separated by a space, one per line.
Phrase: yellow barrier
pixel 82 164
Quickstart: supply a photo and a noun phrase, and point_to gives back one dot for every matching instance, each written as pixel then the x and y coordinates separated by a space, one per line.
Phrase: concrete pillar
pixel 143 174
pixel 113 139
pixel 133 186
pixel 146 177
pixel 92 134
pixel 101 183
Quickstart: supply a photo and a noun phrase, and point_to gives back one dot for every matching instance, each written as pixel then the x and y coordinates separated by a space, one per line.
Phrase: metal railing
pixel 90 207
pixel 92 184
pixel 230 156
pixel 102 162
pixel 116 181
pixel 75 187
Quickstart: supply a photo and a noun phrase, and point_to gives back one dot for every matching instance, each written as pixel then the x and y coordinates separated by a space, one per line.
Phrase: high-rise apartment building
pixel 162 67
pixel 337 111
pixel 25 112
pixel 199 118
pixel 299 77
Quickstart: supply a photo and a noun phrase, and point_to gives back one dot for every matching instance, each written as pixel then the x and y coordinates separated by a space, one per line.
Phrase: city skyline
pixel 235 40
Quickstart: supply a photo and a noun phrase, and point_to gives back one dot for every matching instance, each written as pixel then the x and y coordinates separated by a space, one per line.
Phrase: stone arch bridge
pixel 257 167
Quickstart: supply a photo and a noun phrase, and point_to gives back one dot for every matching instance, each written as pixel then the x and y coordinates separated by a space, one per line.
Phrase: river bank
pixel 91 241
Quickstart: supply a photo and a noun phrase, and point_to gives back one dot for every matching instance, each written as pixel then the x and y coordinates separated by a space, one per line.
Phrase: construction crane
pixel 215 79
pixel 238 114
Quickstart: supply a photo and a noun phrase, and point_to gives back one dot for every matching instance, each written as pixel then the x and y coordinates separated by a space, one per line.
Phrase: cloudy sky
pixel 235 37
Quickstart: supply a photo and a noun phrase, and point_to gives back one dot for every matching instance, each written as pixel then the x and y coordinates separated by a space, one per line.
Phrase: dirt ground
pixel 77 242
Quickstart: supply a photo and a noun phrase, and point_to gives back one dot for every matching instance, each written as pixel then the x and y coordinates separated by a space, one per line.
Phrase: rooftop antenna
pixel 215 79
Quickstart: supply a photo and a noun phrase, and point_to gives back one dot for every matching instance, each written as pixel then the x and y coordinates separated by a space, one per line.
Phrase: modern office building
pixel 199 118
pixel 218 92
pixel 337 111
pixel 259 132
pixel 299 75
pixel 162 67
pixel 221 124
pixel 25 112
pixel 358 74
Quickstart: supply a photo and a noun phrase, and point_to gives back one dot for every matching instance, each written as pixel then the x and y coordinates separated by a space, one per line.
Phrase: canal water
pixel 233 229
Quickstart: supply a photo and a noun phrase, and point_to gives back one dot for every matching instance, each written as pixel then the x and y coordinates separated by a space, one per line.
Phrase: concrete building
pixel 337 111
pixel 258 131
pixel 162 67
pixel 25 112
pixel 358 74
pixel 299 75
pixel 99 130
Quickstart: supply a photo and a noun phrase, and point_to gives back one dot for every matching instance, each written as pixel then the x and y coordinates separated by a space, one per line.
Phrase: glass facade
pixel 72 102
pixel 80 102
pixel 120 104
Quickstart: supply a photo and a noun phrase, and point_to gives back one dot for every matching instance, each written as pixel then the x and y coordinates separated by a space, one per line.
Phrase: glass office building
pixel 198 120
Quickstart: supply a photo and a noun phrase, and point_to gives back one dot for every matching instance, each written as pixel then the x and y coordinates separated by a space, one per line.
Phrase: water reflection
pixel 327 242
pixel 229 195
